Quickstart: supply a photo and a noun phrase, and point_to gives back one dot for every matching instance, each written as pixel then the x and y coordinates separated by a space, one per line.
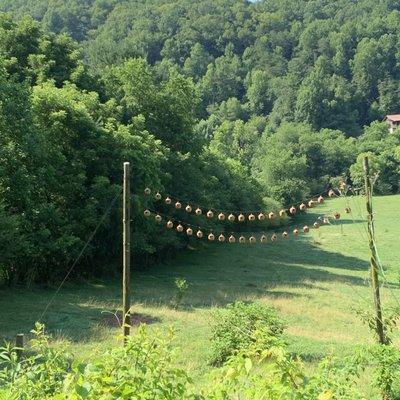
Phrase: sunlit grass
pixel 315 281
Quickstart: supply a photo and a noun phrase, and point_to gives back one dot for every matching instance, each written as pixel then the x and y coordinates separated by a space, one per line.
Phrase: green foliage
pixel 181 288
pixel 265 369
pixel 146 369
pixel 37 376
pixel 233 329
pixel 307 62
pixel 143 368
pixel 382 149
pixel 278 88
pixel 297 161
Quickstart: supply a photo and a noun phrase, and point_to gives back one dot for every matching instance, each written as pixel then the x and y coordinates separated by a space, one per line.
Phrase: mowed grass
pixel 316 281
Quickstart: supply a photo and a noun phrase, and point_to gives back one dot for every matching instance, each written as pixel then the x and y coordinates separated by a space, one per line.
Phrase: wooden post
pixel 19 344
pixel 126 281
pixel 374 256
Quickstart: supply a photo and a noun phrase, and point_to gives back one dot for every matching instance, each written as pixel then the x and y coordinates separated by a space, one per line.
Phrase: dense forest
pixel 224 103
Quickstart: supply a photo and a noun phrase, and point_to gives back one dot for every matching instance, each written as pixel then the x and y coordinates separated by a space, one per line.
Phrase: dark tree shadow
pixel 217 275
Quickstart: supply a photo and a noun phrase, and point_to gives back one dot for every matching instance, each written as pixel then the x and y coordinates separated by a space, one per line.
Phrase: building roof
pixel 393 117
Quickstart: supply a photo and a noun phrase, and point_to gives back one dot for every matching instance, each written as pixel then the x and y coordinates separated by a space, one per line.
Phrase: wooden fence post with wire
pixel 126 280
pixel 374 256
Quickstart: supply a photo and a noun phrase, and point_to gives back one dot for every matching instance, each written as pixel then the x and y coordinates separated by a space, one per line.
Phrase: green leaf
pixel 248 365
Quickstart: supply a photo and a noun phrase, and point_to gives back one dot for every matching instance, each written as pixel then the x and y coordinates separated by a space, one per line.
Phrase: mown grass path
pixel 316 281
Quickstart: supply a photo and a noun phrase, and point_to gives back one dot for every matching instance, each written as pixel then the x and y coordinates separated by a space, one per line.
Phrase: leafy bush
pixel 272 373
pixel 385 363
pixel 233 328
pixel 38 376
pixel 143 369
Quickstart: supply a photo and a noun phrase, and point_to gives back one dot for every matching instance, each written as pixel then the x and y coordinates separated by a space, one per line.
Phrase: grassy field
pixel 315 281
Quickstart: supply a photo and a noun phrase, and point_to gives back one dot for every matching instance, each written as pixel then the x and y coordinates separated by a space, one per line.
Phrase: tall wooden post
pixel 126 281
pixel 374 256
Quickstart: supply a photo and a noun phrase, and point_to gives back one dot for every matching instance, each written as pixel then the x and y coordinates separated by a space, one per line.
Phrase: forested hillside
pixel 227 103
pixel 331 64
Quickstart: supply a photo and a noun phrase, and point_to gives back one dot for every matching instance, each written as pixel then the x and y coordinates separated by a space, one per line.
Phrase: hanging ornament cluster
pixel 192 230
pixel 240 216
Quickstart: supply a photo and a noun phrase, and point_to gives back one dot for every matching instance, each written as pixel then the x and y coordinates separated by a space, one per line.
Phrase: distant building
pixel 393 121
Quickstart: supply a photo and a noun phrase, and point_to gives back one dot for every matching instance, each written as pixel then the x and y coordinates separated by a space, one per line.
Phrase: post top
pixel 126 163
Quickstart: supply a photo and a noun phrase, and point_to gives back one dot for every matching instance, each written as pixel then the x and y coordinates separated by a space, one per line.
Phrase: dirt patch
pixel 114 320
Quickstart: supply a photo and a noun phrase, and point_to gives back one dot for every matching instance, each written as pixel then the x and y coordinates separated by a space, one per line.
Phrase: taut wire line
pixel 81 253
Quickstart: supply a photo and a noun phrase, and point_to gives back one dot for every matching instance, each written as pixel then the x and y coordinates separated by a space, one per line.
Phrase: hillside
pixel 331 64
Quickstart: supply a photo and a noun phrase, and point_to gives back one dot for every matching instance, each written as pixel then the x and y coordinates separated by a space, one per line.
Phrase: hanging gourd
pixel 147 213
pixel 263 239
pixel 320 199
pixel 231 218
pixel 252 217
pixel 158 218
pixel 282 213
pixel 316 225
pixel 331 193
pixel 210 214
pixel 221 238
pixel 303 207
pixel 179 228
pixel 232 239
pixel 261 217
pixel 306 229
pixel 295 232
pixel 242 239
pixel 178 205
pixel 158 196
pixel 211 237
pixel 252 240
pixel 271 215
pixel 285 235
pixel 274 237
pixel 311 204
pixel 188 208
pixel 199 234
pixel 241 218
pixel 147 191
pixel 336 215
pixel 326 220
pixel 168 201
pixel 221 216
pixel 189 231
pixel 198 211
pixel 170 224
pixel 293 210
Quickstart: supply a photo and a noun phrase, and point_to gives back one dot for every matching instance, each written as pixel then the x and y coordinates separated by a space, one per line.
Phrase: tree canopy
pixel 226 103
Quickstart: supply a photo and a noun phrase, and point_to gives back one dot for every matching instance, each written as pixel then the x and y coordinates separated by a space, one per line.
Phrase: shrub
pixel 38 376
pixel 181 288
pixel 258 373
pixel 233 328
pixel 144 369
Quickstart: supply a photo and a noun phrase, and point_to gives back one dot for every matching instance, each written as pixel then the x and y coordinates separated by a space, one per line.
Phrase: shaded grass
pixel 316 281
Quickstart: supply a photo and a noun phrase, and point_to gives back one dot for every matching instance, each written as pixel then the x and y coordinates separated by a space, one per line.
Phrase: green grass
pixel 315 281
